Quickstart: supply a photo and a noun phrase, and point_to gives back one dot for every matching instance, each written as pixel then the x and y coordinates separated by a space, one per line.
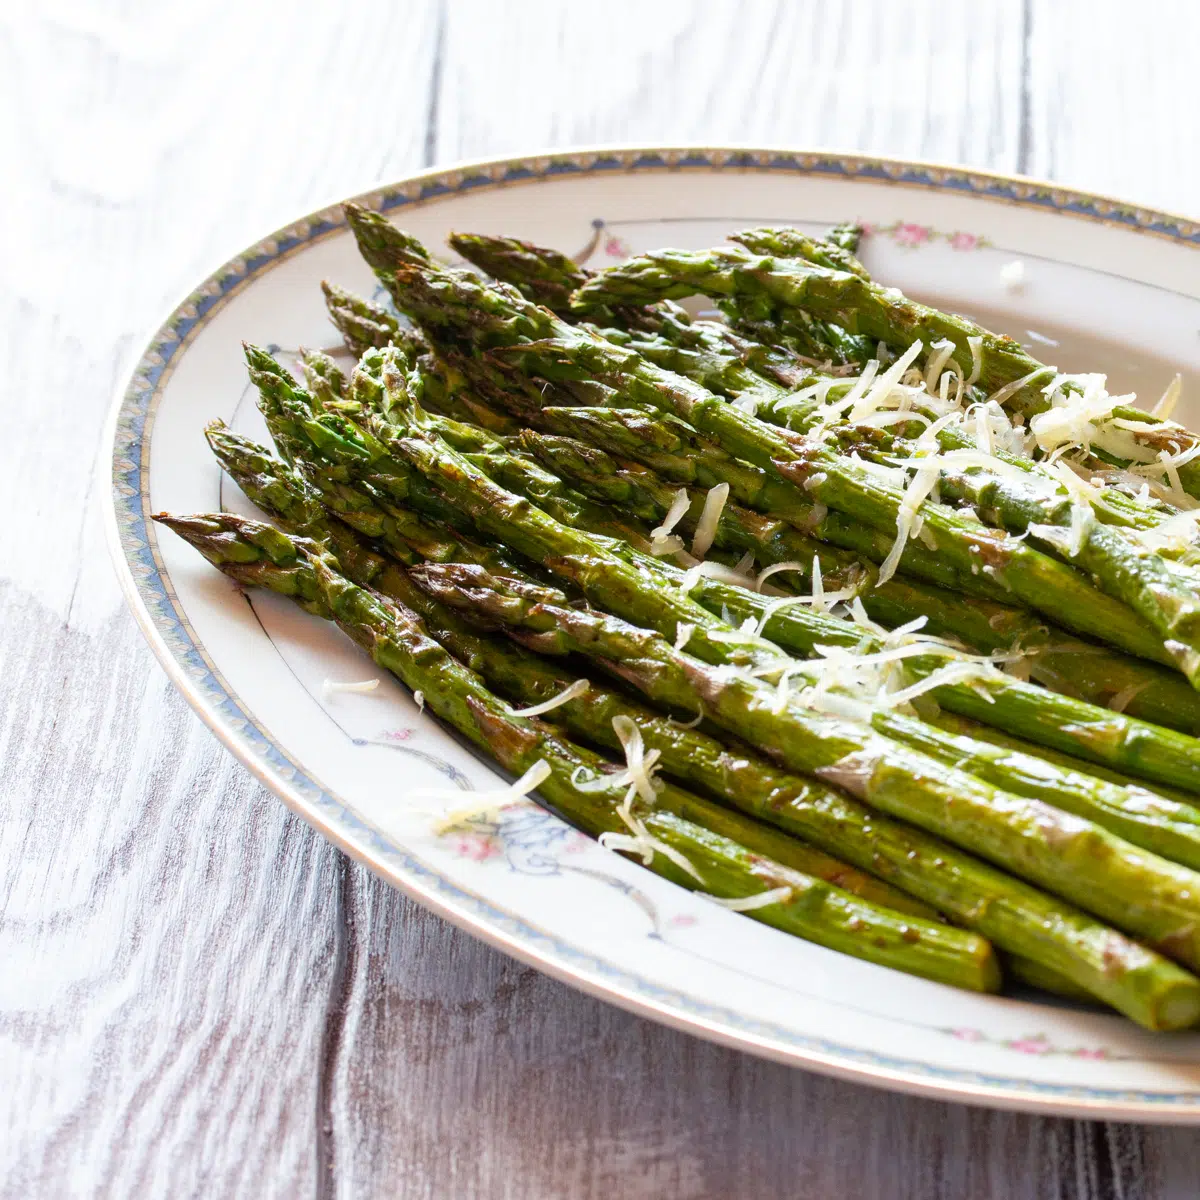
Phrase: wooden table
pixel 198 996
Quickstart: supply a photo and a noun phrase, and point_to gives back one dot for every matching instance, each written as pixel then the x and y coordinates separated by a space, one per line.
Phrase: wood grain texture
pixel 199 996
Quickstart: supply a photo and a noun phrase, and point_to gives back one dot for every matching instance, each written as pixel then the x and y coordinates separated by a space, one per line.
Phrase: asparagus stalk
pixel 1015 916
pixel 455 302
pixel 407 536
pixel 1081 670
pixel 1028 711
pixel 1154 822
pixel 1142 984
pixel 688 755
pixel 979 732
pixel 766 286
pixel 546 277
pixel 1136 890
pixel 361 323
pixel 368 329
pixel 323 377
pixel 740 371
pixel 846 234
pixel 738 776
pixel 677 848
pixel 785 242
pixel 1006 570
pixel 1163 593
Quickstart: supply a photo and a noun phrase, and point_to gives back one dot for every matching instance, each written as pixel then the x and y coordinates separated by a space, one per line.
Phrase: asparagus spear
pixel 323 377
pixel 766 286
pixel 458 303
pixel 674 846
pixel 1015 915
pixel 1164 594
pixel 689 755
pixel 1134 889
pixel 368 329
pixel 1060 721
pixel 285 495
pixel 964 555
pixel 979 732
pixel 548 278
pixel 545 276
pixel 1081 670
pixel 306 494
pixel 1138 982
pixel 741 371
pixel 1167 827
pixel 785 242
pixel 361 323
pixel 846 234
pixel 256 497
pixel 1007 570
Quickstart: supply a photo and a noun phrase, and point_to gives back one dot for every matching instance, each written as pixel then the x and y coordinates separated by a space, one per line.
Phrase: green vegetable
pixel 1137 891
pixel 686 853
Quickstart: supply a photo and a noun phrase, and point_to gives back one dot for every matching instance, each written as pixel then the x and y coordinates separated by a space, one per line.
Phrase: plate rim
pixel 354 835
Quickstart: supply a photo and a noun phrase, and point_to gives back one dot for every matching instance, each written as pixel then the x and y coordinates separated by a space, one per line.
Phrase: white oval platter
pixel 1106 287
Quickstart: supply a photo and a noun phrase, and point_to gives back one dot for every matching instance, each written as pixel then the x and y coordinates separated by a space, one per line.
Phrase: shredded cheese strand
pixel 331 687
pixel 662 540
pixel 976 345
pixel 779 895
pixel 638 764
pixel 1169 399
pixel 642 843
pixel 579 688
pixel 940 355
pixel 1011 389
pixel 1121 700
pixel 485 803
pixel 776 568
pixel 710 516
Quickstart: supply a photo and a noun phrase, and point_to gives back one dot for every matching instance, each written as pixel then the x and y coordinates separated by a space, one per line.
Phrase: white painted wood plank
pixel 171 938
pixel 1111 100
pixel 931 78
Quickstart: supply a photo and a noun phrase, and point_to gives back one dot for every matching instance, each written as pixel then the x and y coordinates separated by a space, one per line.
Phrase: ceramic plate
pixel 1106 287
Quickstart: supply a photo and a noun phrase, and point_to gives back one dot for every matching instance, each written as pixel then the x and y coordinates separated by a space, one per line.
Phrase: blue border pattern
pixel 130 490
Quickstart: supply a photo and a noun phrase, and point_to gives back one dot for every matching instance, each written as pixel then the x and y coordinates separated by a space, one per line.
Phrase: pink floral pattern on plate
pixel 912 236
pixel 1034 1043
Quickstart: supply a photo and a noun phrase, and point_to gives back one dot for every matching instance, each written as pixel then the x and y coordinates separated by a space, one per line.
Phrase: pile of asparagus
pixel 838 609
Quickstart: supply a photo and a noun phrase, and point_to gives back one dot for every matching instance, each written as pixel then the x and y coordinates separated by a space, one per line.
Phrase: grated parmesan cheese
pixel 779 895
pixel 710 516
pixel 736 575
pixel 639 766
pixel 484 803
pixel 776 568
pixel 1169 399
pixel 1011 389
pixel 923 482
pixel 331 687
pixel 641 842
pixel 1121 700
pixel 662 540
pixel 976 345
pixel 1012 275
pixel 579 688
